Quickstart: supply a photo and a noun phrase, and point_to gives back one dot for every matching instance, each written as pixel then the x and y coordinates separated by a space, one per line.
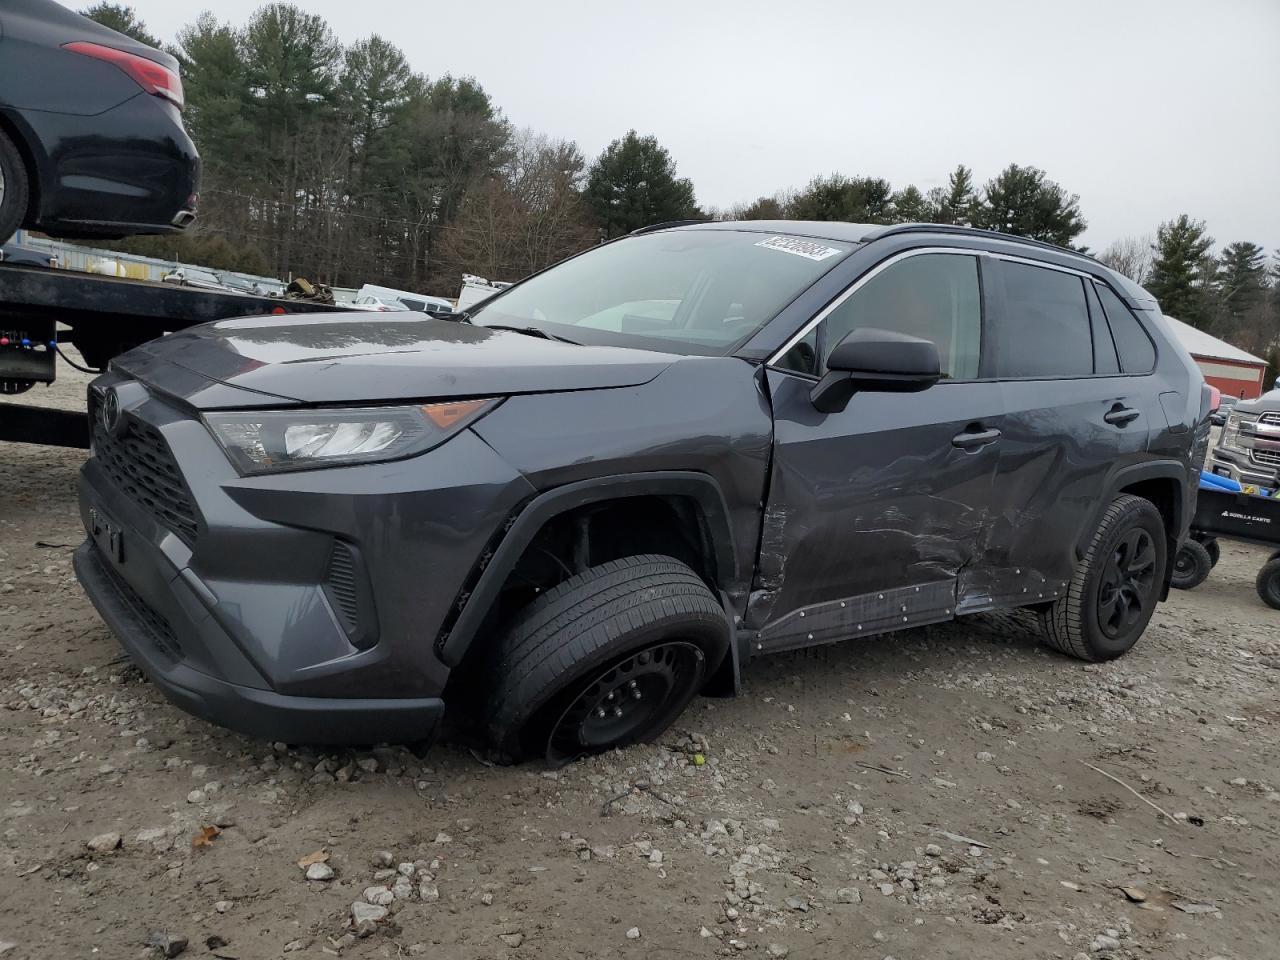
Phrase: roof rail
pixel 898 228
pixel 663 226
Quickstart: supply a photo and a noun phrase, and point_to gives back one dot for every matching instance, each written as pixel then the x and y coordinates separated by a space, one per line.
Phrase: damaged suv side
pixel 598 494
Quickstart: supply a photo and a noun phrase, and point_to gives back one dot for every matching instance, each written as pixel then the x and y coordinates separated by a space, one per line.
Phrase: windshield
pixel 683 291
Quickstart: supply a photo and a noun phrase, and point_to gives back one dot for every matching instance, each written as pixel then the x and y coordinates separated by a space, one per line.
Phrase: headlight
pixel 271 441
pixel 1231 431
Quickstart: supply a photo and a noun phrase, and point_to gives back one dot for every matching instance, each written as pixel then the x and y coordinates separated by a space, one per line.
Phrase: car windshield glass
pixel 684 291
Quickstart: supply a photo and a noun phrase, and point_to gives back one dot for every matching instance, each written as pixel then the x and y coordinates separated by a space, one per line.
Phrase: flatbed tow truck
pixel 106 317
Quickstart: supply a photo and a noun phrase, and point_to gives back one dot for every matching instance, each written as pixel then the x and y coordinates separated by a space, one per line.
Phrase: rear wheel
pixel 608 658
pixel 1191 565
pixel 1215 551
pixel 14 188
pixel 1115 587
pixel 1269 582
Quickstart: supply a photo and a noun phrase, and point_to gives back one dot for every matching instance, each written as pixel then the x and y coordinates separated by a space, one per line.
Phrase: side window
pixel 1137 353
pixel 1047 324
pixel 1105 361
pixel 933 296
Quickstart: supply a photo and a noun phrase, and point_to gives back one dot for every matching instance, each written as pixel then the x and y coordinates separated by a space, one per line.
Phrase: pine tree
pixel 837 197
pixel 1241 281
pixel 1025 202
pixel 633 184
pixel 122 19
pixel 910 206
pixel 956 204
pixel 1178 278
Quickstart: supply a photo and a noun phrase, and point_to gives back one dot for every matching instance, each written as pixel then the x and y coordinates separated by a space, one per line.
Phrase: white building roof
pixel 1200 344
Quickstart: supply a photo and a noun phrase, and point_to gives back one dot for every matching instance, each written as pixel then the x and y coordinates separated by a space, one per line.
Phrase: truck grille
pixel 1269 417
pixel 139 462
pixel 1268 458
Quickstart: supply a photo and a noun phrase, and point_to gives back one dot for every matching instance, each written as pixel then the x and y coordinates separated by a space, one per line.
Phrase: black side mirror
pixel 877 360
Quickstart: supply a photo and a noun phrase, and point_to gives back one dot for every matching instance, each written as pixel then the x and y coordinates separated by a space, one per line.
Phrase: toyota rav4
pixel 597 494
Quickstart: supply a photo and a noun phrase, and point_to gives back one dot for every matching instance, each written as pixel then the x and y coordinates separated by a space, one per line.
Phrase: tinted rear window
pixel 1047 325
pixel 1137 352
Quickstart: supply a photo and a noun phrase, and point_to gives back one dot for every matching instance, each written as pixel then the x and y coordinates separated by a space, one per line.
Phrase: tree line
pixel 343 164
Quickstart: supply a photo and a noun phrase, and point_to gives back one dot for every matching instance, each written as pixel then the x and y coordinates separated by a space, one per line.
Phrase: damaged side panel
pixel 874 515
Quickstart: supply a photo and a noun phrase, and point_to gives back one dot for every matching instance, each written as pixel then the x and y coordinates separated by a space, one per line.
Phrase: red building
pixel 1230 369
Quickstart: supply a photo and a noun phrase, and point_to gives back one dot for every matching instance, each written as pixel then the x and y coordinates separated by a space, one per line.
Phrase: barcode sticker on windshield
pixel 808 249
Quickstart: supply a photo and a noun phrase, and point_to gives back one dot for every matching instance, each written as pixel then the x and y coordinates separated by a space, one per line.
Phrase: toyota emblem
pixel 111 412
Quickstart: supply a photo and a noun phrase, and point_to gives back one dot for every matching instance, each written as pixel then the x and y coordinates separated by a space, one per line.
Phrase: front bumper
pixel 1237 465
pixel 238 608
pixel 248 710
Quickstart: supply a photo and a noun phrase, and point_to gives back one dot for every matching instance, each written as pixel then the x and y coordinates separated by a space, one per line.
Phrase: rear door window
pixel 1137 352
pixel 1046 324
pixel 1105 361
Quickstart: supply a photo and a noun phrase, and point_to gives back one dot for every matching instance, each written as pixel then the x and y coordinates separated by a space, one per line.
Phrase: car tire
pixel 14 188
pixel 610 657
pixel 1115 587
pixel 1269 582
pixel 1191 566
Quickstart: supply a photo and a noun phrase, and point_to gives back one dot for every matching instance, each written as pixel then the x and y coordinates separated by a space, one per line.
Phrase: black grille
pixel 138 461
pixel 152 623
pixel 341 580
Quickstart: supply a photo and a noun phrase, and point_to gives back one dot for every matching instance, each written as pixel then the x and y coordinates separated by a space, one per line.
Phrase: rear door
pixel 1073 418
pixel 874 512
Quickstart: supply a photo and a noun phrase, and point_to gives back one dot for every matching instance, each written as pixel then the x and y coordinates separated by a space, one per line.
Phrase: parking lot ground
pixel 939 792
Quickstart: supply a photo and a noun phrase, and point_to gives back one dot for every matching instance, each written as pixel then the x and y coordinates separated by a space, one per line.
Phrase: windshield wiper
pixel 531 332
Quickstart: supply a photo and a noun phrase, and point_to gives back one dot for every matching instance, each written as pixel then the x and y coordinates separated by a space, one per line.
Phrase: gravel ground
pixel 923 794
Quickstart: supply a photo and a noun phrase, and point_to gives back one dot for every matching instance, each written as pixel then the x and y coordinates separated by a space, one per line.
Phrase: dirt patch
pixel 916 795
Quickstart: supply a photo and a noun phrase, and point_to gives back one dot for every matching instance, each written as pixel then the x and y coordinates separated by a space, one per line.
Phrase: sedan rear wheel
pixel 13 188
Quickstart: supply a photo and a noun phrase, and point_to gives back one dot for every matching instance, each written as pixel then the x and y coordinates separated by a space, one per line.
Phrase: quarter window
pixel 932 296
pixel 1137 354
pixel 1047 324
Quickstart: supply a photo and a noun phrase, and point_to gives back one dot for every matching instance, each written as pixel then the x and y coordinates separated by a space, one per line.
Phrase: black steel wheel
pixel 1115 587
pixel 608 658
pixel 1191 565
pixel 630 701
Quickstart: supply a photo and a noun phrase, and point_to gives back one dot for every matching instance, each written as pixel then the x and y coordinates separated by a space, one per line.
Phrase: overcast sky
pixel 1145 108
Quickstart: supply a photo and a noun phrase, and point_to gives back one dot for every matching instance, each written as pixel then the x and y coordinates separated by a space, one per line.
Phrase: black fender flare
pixel 534 515
pixel 1137 473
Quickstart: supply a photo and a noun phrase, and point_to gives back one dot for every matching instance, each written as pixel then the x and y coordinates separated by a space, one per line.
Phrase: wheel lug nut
pixel 610 696
pixel 632 684
pixel 600 713
pixel 635 695
pixel 617 711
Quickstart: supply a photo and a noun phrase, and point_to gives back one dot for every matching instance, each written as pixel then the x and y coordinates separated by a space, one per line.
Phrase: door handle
pixel 971 439
pixel 1121 416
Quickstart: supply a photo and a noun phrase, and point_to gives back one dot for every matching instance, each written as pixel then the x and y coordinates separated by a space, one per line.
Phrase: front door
pixel 875 511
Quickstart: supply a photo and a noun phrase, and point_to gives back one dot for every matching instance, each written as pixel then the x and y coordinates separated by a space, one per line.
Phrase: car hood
pixel 1268 402
pixel 361 358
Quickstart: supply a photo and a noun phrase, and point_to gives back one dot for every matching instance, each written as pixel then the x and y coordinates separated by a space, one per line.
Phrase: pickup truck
pixel 1249 448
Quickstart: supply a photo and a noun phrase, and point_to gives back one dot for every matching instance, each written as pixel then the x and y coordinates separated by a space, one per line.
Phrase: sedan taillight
pixel 155 78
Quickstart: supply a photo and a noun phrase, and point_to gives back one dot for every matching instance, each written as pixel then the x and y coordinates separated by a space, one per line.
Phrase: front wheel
pixel 1115 587
pixel 608 658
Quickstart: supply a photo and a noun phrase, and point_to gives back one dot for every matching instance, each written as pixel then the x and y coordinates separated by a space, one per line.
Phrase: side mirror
pixel 876 360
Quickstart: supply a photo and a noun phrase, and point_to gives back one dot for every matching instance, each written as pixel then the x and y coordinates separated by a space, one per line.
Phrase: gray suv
pixel 597 494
